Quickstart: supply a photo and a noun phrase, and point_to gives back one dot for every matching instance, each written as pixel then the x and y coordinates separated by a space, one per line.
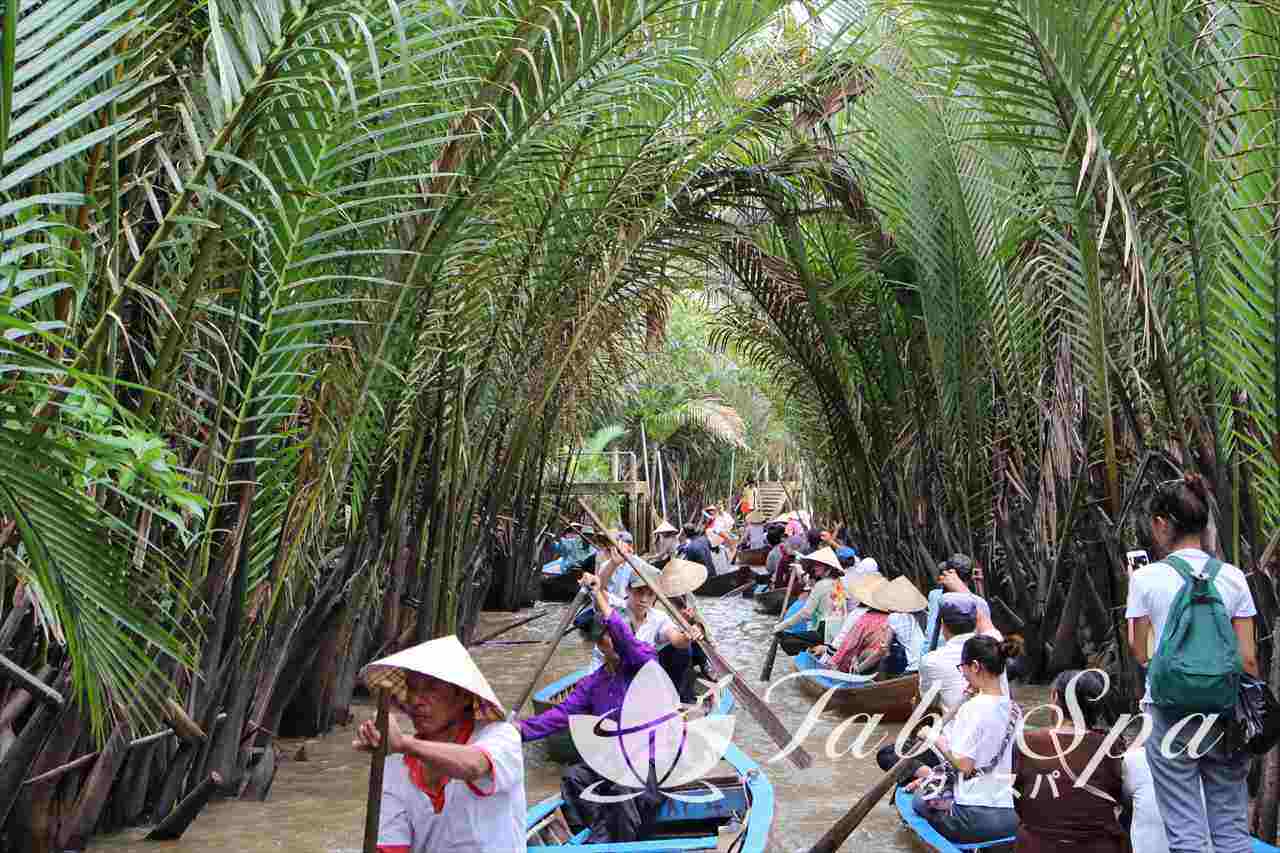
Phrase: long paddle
pixel 767 672
pixel 755 706
pixel 507 627
pixel 373 811
pixel 844 827
pixel 565 621
pixel 738 589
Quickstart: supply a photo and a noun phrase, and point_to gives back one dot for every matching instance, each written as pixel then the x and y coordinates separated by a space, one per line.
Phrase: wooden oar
pixel 738 589
pixel 767 672
pixel 565 621
pixel 505 628
pixel 844 827
pixel 755 706
pixel 373 811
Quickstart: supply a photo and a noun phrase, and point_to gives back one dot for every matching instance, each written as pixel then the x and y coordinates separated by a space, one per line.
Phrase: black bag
pixel 1257 715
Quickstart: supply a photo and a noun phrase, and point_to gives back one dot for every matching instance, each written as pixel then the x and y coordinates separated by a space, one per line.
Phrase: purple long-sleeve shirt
pixel 601 691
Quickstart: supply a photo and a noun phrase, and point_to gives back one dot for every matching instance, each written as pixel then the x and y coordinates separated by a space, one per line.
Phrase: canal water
pixel 317 804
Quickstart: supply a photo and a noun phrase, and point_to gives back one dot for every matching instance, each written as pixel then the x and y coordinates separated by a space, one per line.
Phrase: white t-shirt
pixel 1153 587
pixel 976 732
pixel 476 817
pixel 939 667
pixel 908 631
pixel 652 631
pixel 1147 830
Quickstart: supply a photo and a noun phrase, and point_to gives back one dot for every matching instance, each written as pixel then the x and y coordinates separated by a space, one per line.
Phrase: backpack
pixel 1197 667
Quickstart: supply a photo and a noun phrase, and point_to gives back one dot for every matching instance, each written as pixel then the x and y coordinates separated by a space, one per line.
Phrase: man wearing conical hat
pixel 824 609
pixel 456 782
pixel 664 538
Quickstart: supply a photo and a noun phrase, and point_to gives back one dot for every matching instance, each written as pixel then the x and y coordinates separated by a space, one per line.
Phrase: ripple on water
pixel 319 804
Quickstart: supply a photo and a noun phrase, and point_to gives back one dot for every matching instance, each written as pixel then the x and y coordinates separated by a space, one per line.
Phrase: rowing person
pixel 601 693
pixel 456 782
pixel 823 612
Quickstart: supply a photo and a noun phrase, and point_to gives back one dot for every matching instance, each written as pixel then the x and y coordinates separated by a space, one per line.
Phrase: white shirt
pixel 939 667
pixel 1147 830
pixel 905 627
pixel 480 817
pixel 653 631
pixel 976 733
pixel 1153 587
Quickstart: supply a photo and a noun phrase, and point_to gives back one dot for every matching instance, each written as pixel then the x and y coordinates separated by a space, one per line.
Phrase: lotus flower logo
pixel 648 741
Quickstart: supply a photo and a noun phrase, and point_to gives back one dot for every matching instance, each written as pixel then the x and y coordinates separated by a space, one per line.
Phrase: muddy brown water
pixel 318 804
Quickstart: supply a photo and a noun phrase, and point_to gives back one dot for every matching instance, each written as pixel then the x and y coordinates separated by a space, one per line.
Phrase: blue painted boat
pixel 559 582
pixel 747 799
pixel 931 837
pixel 560 746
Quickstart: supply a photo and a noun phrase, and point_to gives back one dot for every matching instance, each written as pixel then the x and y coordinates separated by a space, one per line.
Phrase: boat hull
pixel 755 798
pixel 752 556
pixel 895 698
pixel 771 601
pixel 725 582
pixel 934 841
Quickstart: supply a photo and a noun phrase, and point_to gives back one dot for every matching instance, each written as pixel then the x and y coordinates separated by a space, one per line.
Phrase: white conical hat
pixel 862 588
pixel 897 596
pixel 825 556
pixel 681 577
pixel 664 527
pixel 445 659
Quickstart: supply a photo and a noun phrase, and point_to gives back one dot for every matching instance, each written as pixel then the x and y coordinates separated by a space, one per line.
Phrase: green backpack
pixel 1197 667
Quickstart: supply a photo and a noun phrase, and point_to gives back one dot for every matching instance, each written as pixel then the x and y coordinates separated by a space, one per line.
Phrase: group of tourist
pixel 457 781
pixel 1065 788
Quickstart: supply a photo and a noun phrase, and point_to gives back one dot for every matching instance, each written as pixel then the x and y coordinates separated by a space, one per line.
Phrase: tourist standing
pixel 1178 514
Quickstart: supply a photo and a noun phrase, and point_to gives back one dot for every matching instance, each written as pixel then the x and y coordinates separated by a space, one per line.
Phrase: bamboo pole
pixel 373 808
pixel 844 827
pixel 505 628
pixel 742 691
pixel 565 623
pixel 767 672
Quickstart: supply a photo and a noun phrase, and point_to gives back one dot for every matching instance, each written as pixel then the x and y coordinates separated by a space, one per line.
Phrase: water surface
pixel 318 805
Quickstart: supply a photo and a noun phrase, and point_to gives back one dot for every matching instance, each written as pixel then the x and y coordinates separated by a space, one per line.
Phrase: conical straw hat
pixel 862 587
pixel 681 577
pixel 826 557
pixel 897 596
pixel 445 659
pixel 664 527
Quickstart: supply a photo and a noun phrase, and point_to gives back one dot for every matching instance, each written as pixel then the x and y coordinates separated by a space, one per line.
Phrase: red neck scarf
pixel 420 778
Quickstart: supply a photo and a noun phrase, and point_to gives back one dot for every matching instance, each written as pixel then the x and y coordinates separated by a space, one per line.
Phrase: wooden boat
pixel 560 746
pixel 895 698
pixel 753 556
pixel 930 836
pixel 717 585
pixel 770 602
pixel 934 841
pixel 558 583
pixel 740 820
pixel 754 590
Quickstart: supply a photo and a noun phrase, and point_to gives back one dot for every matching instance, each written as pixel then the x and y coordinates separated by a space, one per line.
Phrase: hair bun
pixel 1012 646
pixel 1197 485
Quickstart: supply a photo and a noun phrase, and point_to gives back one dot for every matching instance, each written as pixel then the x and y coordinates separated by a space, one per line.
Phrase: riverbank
pixel 318 804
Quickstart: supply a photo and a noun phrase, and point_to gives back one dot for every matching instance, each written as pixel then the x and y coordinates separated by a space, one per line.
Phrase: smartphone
pixel 1136 559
